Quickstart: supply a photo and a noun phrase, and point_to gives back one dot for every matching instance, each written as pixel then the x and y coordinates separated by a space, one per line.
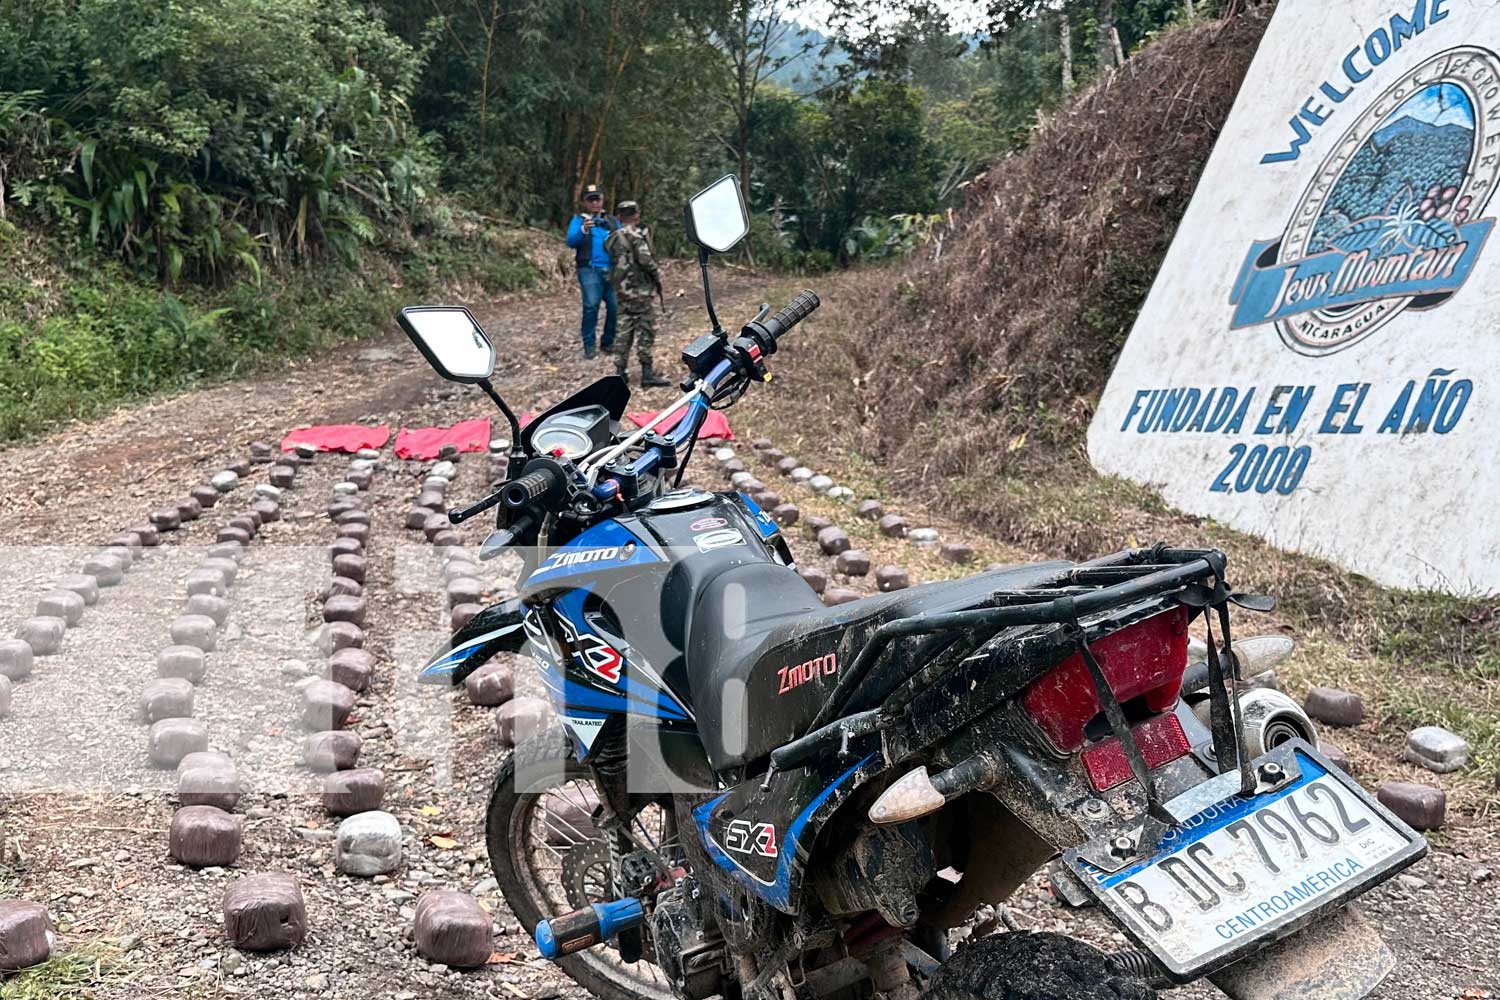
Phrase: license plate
pixel 1244 871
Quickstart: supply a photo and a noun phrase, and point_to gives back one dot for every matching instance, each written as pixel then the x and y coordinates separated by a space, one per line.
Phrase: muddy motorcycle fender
pixel 1338 958
pixel 761 834
pixel 499 628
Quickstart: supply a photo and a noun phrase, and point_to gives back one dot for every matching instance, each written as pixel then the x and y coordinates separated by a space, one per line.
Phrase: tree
pixel 534 98
pixel 880 40
pixel 856 154
pixel 1065 49
pixel 1111 53
pixel 755 39
pixel 1008 15
pixel 1118 26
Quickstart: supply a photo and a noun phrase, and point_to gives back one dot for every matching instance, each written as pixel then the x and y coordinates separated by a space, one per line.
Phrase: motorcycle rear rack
pixel 1193 577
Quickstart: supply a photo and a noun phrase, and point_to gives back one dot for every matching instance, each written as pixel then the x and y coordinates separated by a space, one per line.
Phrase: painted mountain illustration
pixel 1413 166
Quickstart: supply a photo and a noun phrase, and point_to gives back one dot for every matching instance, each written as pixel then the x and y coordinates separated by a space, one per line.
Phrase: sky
pixel 1441 104
pixel 967 15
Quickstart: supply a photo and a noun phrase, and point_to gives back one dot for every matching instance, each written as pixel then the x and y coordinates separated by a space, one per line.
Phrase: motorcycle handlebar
pixel 744 358
pixel 529 488
pixel 797 310
pixel 794 312
pixel 460 515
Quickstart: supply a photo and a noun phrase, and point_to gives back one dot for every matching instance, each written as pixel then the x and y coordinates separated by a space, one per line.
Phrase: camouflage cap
pixel 627 208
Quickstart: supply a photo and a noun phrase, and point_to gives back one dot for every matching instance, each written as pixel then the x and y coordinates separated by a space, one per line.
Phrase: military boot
pixel 649 379
pixel 620 368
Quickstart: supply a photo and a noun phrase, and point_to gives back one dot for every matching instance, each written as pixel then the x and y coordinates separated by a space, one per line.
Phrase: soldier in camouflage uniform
pixel 634 273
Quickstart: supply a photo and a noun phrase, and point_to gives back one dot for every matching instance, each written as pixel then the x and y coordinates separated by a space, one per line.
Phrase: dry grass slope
pixel 1038 285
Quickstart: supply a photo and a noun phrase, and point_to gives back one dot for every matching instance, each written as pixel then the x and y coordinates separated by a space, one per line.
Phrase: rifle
pixel 656 277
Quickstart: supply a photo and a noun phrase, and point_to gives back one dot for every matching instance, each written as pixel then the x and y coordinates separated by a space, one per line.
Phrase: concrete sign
pixel 1319 360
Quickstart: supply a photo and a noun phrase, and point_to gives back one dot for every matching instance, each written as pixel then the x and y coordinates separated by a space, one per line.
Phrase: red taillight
pixel 1146 660
pixel 1161 741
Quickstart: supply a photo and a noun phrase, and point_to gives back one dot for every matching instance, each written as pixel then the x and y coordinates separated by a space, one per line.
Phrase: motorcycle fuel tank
pixel 645 569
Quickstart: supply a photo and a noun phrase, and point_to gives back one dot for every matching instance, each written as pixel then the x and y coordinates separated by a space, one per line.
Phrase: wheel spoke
pixel 556 871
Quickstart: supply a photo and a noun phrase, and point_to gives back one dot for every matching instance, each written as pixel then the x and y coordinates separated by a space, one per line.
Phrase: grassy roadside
pixel 72 973
pixel 80 334
pixel 1416 658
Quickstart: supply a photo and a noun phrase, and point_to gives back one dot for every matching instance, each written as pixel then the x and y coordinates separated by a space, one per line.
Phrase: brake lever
pixel 461 514
pixel 499 541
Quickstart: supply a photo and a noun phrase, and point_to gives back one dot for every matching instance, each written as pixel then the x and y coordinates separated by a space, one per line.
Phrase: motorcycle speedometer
pixel 565 442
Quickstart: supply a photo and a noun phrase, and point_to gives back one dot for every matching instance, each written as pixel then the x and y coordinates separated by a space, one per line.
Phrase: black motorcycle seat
pixel 763 652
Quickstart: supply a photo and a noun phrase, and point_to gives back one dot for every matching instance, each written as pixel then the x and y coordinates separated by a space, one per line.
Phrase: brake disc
pixel 585 874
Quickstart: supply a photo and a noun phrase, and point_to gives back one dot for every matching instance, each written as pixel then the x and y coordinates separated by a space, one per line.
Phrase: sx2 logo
pixel 745 837
pixel 593 653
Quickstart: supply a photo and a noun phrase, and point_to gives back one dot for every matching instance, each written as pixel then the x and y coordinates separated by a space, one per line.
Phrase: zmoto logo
pixel 795 677
pixel 578 557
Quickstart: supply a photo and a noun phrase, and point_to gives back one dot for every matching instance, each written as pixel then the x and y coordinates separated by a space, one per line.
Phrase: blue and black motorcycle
pixel 752 795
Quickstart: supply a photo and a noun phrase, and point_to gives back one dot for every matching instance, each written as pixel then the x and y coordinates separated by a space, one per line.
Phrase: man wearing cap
pixel 634 273
pixel 586 235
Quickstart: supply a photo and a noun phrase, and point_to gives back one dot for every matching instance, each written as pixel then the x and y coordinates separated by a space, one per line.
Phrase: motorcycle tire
pixel 1027 966
pixel 506 813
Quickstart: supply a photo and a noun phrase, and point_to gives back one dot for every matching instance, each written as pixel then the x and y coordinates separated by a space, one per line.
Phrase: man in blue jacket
pixel 586 235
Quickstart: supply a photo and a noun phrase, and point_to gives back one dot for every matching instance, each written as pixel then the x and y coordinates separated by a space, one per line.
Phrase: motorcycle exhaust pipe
pixel 1271 719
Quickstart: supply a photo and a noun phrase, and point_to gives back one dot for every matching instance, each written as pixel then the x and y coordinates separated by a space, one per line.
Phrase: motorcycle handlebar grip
pixel 794 312
pixel 530 487
pixel 763 332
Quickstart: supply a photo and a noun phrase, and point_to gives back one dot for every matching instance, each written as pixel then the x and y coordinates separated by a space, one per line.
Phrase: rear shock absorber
pixel 585 928
pixel 1141 965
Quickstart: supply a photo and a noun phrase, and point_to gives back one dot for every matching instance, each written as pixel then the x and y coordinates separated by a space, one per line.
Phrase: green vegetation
pixel 80 334
pixel 73 973
pixel 831 169
pixel 193 188
pixel 839 136
pixel 200 138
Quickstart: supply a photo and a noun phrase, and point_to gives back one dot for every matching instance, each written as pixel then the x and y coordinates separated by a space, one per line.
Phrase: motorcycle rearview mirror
pixel 451 340
pixel 717 218
pixel 459 350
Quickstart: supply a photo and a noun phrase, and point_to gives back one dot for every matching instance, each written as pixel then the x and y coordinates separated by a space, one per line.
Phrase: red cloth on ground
pixel 428 442
pixel 715 425
pixel 338 437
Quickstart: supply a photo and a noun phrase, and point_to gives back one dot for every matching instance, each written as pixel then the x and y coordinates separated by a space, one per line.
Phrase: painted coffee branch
pixel 1316 359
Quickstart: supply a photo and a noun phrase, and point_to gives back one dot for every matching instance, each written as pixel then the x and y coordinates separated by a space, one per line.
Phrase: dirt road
pixel 84 815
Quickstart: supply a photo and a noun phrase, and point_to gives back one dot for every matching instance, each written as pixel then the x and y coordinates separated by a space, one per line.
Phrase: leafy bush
pixel 893 236
pixel 200 137
pixel 79 337
pixel 773 243
pixel 830 165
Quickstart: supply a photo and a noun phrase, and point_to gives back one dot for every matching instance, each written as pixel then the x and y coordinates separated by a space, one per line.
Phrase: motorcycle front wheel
pixel 549 859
